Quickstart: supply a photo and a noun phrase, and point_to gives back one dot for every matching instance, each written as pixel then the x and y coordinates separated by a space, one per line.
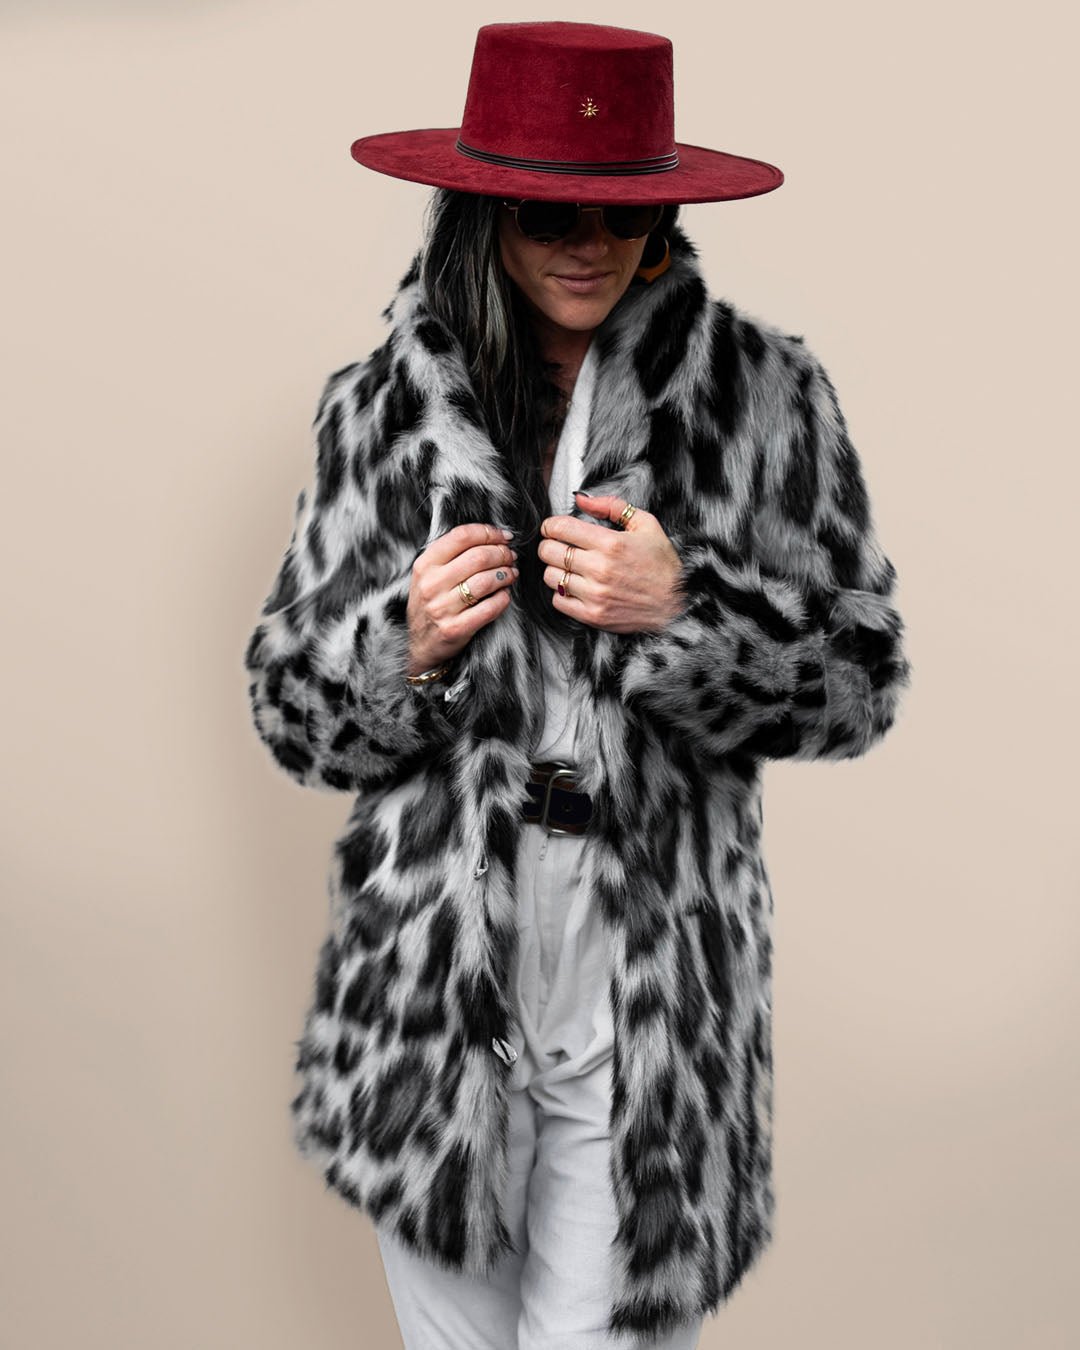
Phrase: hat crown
pixel 570 94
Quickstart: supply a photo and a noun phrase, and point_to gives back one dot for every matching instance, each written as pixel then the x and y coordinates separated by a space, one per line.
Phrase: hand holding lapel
pixel 624 581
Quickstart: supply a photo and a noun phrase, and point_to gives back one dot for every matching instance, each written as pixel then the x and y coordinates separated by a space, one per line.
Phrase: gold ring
pixel 564 585
pixel 569 556
pixel 624 519
pixel 465 593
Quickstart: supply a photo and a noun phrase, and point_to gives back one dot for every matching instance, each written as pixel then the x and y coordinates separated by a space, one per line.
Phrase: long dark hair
pixel 468 288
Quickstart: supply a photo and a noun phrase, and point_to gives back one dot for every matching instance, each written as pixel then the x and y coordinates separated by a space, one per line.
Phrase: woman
pixel 539 1049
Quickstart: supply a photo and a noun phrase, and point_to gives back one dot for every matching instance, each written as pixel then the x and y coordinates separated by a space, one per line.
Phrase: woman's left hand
pixel 620 580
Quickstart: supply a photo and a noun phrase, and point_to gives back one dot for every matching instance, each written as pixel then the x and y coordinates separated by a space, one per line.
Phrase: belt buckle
pixel 562 771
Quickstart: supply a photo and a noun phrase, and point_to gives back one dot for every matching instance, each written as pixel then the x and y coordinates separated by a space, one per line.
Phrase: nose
pixel 589 235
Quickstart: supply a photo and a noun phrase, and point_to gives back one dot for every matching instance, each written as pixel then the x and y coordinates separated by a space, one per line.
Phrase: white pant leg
pixel 566 1281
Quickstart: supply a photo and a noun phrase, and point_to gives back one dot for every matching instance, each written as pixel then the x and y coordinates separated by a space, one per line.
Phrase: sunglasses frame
pixel 514 204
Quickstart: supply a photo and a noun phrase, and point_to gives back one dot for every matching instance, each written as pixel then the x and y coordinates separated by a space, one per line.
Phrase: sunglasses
pixel 547 222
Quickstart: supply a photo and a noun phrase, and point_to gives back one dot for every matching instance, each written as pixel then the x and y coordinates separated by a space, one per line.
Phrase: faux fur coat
pixel 789 646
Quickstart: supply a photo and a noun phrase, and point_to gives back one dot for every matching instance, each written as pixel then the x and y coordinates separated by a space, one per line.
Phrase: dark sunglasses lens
pixel 631 222
pixel 547 221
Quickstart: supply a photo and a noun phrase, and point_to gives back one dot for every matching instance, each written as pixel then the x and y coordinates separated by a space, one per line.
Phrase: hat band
pixel 657 164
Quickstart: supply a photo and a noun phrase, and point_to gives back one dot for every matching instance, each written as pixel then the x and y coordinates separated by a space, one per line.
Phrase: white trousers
pixel 554 1292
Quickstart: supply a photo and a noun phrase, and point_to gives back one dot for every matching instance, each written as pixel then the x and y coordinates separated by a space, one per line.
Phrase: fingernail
pixel 580 492
pixel 508 532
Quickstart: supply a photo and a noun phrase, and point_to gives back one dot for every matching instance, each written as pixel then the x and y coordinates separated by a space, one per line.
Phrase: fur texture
pixel 788 646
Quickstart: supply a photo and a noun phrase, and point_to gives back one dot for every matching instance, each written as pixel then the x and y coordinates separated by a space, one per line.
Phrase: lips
pixel 581 283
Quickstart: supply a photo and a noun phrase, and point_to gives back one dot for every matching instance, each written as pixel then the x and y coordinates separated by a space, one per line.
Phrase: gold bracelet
pixel 428 676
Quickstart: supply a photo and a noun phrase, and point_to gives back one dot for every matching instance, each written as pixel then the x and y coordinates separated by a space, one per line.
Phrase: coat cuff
pixel 757 664
pixel 334 708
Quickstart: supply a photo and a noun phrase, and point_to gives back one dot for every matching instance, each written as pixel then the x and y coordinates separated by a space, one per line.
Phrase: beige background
pixel 189 251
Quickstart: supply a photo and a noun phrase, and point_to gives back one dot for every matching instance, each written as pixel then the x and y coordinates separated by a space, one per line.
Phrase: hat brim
pixel 430 156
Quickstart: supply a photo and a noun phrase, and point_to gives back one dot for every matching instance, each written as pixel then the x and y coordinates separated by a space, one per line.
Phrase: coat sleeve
pixel 792 648
pixel 327 658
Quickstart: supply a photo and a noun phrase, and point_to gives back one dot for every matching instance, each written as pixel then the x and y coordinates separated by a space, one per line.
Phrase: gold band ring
pixel 564 585
pixel 624 519
pixel 568 559
pixel 465 593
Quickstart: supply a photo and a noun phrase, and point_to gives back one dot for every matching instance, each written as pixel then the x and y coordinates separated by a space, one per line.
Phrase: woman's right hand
pixel 440 622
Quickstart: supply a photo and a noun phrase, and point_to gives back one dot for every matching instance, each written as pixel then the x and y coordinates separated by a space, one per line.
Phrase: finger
pixel 480 584
pixel 470 619
pixel 577 587
pixel 586 562
pixel 479 558
pixel 569 530
pixel 447 546
pixel 610 508
pixel 572 607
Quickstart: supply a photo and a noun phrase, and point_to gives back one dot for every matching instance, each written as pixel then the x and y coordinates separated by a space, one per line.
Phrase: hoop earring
pixel 650 274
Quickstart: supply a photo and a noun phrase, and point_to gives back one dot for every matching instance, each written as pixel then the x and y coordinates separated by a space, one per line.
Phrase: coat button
pixel 503 1049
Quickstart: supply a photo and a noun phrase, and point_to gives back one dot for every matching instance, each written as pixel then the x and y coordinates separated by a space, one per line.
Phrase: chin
pixel 583 322
pixel 580 315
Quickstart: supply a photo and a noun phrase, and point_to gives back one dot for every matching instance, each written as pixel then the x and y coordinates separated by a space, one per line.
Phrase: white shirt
pixel 557 739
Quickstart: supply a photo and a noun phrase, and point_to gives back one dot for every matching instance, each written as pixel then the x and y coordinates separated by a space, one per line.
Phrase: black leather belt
pixel 553 800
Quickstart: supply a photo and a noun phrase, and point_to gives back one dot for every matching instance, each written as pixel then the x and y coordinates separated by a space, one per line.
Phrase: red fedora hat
pixel 568 112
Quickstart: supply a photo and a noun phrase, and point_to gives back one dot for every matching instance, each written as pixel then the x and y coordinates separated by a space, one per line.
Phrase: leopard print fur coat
pixel 789 646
